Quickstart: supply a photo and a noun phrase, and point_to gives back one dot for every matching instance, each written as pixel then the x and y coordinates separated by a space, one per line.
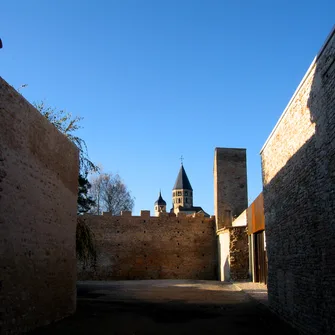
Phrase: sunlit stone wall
pixel 146 247
pixel 38 213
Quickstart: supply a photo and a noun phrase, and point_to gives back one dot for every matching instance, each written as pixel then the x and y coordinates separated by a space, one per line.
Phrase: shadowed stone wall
pixel 38 201
pixel 145 247
pixel 298 162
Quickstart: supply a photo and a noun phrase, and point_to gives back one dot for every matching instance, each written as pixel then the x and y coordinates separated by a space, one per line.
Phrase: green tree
pixel 68 125
pixel 85 201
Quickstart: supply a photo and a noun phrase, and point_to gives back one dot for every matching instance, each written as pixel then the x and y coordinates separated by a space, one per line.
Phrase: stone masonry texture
pixel 298 163
pixel 164 247
pixel 239 253
pixel 230 183
pixel 233 252
pixel 38 196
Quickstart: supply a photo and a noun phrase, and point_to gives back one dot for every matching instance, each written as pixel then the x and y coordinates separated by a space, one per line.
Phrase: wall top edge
pixel 4 85
pixel 319 54
pixel 162 217
pixel 229 149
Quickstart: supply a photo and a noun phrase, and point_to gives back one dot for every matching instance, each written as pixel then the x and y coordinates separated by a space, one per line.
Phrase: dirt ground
pixel 166 307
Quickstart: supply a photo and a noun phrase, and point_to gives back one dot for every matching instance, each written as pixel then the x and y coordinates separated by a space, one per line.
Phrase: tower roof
pixel 160 201
pixel 182 181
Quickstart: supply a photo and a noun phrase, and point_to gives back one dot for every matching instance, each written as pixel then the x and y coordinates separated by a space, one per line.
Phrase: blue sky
pixel 158 79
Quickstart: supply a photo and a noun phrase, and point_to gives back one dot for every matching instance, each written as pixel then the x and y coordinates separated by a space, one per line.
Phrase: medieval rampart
pixel 38 202
pixel 146 247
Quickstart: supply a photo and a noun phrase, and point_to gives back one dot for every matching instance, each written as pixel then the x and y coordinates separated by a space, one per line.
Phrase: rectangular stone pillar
pixel 230 185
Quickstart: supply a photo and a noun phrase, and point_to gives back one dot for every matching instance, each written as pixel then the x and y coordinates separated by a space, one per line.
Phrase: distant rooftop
pixel 160 201
pixel 182 181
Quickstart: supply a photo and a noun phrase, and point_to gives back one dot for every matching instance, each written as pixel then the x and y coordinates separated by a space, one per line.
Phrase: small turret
pixel 160 205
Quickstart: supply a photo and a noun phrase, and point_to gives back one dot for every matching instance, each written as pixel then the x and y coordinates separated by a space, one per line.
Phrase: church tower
pixel 182 193
pixel 160 205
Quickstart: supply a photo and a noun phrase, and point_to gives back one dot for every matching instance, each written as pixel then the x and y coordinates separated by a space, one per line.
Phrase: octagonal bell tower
pixel 182 193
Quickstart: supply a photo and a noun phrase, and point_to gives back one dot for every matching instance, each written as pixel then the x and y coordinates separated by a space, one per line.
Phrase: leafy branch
pixel 68 125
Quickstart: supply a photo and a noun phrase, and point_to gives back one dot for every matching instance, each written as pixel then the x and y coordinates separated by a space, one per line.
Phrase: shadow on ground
pixel 166 307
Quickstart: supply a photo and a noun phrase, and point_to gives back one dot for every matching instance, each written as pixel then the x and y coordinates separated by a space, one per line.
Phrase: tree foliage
pixel 110 194
pixel 68 125
pixel 85 202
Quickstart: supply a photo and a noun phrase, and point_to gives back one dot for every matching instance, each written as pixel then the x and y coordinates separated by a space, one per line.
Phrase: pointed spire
pixel 182 181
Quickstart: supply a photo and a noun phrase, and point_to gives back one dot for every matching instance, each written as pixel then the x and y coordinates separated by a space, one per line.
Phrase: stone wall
pixel 233 253
pixel 239 253
pixel 230 185
pixel 145 247
pixel 298 163
pixel 38 196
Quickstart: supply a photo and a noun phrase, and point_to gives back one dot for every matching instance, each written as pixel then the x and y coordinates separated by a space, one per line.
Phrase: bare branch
pixel 110 194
